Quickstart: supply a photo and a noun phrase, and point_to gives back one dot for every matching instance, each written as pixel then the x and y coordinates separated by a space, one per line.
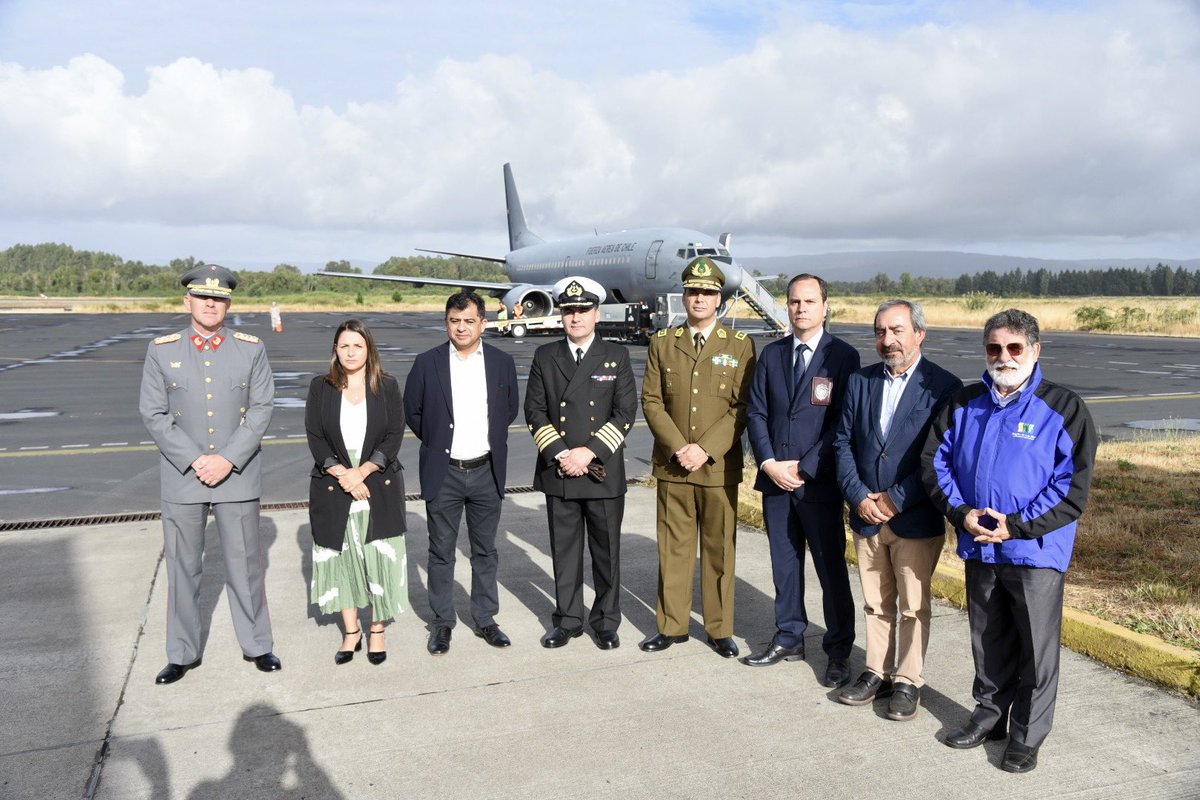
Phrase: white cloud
pixel 1005 125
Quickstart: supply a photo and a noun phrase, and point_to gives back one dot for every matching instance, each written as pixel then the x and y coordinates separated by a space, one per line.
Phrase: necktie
pixel 578 355
pixel 699 340
pixel 798 365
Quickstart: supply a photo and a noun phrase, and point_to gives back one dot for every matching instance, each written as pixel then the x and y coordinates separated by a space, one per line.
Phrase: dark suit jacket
pixel 429 405
pixel 328 504
pixel 867 462
pixel 591 404
pixel 784 424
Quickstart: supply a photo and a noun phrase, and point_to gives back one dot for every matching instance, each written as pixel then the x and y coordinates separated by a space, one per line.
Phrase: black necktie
pixel 798 364
pixel 578 356
pixel 699 340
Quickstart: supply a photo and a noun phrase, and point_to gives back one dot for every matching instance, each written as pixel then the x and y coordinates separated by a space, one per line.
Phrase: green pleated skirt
pixel 362 573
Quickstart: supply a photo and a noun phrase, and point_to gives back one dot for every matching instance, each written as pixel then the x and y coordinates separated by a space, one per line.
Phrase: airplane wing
pixel 461 255
pixel 418 281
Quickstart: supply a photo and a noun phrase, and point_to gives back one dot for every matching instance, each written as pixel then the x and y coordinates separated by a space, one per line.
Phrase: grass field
pixel 1139 315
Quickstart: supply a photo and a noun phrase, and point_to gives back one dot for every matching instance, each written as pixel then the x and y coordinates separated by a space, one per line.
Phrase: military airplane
pixel 634 266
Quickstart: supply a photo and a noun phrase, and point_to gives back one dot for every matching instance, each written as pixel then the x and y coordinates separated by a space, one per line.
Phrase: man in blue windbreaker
pixel 1009 462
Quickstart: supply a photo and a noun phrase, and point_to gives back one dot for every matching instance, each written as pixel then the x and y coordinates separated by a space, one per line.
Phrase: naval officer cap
pixel 210 280
pixel 576 292
pixel 703 273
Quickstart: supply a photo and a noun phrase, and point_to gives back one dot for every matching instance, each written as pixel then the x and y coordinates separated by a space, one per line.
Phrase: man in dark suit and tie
pixel 898 533
pixel 580 403
pixel 459 400
pixel 795 404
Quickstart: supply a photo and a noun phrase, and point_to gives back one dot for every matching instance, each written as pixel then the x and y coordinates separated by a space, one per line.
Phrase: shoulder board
pixel 662 332
pixel 722 333
pixel 173 337
pixel 678 332
pixel 740 335
pixel 246 337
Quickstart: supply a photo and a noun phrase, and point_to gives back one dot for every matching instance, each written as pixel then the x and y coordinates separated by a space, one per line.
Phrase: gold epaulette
pixel 171 337
pixel 740 335
pixel 679 332
pixel 246 337
pixel 662 332
pixel 722 333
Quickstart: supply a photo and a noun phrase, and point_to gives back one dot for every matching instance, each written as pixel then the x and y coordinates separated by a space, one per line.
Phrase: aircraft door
pixel 652 258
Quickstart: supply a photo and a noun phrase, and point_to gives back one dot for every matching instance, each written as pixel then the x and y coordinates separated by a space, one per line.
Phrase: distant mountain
pixel 859 266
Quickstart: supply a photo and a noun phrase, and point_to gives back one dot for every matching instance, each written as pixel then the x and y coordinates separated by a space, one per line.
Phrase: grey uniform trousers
pixel 245 567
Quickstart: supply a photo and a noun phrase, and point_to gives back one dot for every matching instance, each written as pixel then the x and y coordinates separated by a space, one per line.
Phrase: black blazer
pixel 429 406
pixel 328 505
pixel 867 462
pixel 786 425
pixel 593 404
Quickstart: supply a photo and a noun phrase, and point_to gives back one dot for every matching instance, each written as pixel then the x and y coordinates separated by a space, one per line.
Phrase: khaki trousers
pixel 896 574
pixel 687 512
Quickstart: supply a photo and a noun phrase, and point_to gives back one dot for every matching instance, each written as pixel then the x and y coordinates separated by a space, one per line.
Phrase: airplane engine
pixel 536 300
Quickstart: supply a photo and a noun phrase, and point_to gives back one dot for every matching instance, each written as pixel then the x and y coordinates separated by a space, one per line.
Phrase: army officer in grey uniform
pixel 580 402
pixel 206 398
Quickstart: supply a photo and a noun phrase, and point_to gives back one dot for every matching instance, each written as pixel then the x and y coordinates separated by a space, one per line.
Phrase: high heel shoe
pixel 379 656
pixel 345 656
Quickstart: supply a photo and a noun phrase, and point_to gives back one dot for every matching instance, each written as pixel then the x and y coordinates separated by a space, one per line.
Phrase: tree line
pixel 58 269
pixel 1161 280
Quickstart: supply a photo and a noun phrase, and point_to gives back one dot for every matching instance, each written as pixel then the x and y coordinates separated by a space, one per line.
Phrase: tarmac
pixel 84 638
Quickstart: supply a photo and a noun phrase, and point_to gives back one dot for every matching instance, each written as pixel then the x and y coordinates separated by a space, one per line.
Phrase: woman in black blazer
pixel 354 417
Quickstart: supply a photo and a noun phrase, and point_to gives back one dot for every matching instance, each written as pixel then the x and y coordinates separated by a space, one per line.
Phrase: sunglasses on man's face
pixel 1014 349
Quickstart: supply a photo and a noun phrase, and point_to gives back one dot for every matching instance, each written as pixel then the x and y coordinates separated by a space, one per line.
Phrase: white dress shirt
pixel 468 390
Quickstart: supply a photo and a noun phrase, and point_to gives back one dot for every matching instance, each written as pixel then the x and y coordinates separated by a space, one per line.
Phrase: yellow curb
pixel 1139 654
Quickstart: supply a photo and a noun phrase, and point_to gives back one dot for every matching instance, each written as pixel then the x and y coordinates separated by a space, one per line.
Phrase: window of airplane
pixel 706 251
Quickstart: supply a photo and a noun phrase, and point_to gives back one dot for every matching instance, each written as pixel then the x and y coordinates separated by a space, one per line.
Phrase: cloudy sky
pixel 254 133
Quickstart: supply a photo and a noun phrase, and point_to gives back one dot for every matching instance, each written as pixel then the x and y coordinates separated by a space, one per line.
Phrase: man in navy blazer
pixel 459 400
pixel 898 533
pixel 795 403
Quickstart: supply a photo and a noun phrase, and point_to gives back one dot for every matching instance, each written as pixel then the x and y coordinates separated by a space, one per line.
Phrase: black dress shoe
pixel 439 640
pixel 973 735
pixel 1019 758
pixel 837 674
pixel 775 653
pixel 558 636
pixel 346 656
pixel 725 646
pixel 493 635
pixel 607 640
pixel 868 687
pixel 660 641
pixel 173 672
pixel 906 698
pixel 267 662
pixel 376 657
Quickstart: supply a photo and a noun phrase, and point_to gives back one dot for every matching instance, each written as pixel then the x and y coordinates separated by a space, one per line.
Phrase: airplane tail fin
pixel 518 234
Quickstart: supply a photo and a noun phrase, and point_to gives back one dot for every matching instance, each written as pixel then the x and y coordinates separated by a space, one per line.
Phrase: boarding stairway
pixel 763 303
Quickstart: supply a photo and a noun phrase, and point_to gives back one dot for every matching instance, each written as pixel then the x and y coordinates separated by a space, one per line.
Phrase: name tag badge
pixel 822 390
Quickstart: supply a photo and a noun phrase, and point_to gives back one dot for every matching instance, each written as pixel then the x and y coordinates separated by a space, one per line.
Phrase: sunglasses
pixel 1014 349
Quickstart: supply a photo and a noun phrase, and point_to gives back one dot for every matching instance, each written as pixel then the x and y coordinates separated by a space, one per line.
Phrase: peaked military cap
pixel 210 280
pixel 576 291
pixel 703 273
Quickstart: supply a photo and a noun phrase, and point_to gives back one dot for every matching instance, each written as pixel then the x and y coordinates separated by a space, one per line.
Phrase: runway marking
pixel 148 447
pixel 113 444
pixel 1140 398
pixel 1125 363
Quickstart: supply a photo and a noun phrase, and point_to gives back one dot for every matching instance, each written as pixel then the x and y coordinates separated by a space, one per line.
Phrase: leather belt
pixel 471 463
